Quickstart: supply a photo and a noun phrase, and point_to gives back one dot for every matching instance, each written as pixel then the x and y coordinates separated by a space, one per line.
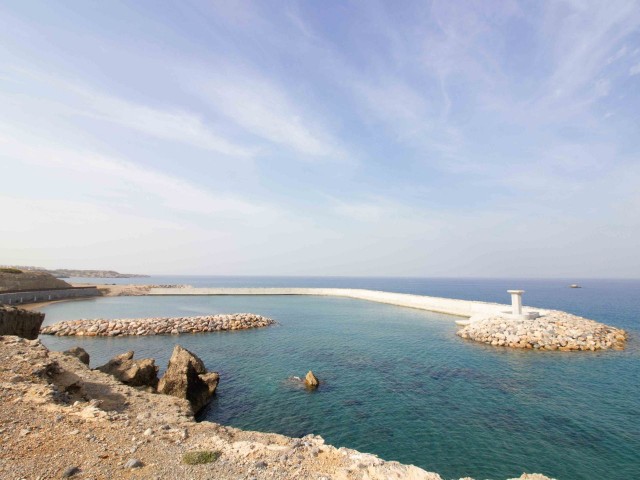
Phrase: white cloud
pixel 117 178
pixel 173 125
pixel 71 98
pixel 584 40
pixel 265 110
pixel 634 70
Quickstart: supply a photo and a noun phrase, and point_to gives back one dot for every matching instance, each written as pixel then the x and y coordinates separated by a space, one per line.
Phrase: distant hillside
pixel 16 279
pixel 66 273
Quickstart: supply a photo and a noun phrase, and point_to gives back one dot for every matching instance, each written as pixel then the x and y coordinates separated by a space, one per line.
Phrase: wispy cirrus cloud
pixel 169 124
pixel 70 97
pixel 116 178
pixel 263 108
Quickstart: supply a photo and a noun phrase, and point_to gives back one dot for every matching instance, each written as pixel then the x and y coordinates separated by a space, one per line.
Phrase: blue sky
pixel 322 138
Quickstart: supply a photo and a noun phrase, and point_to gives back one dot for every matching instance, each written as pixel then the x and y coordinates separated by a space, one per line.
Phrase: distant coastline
pixel 68 273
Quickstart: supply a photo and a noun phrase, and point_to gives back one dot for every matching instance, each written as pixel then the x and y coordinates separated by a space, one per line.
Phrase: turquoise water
pixel 399 383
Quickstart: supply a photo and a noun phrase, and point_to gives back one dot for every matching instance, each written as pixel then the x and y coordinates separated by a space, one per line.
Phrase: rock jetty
pixel 554 331
pixel 156 326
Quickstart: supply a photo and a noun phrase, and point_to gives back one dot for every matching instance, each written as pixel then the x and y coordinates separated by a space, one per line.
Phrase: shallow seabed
pixel 400 384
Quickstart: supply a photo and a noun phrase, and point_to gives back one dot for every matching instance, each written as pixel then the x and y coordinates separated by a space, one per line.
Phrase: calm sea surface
pixel 399 383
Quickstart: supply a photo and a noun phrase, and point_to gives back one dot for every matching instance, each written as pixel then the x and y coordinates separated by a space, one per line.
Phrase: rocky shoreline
pixel 156 326
pixel 555 330
pixel 60 419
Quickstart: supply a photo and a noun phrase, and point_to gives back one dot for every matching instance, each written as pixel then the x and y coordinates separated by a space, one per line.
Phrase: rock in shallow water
pixel 311 381
pixel 186 377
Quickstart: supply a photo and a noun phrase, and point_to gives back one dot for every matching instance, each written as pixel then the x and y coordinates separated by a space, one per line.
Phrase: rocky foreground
pixel 554 331
pixel 156 326
pixel 59 419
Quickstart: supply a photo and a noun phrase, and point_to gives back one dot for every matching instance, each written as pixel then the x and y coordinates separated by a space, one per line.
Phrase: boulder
pixel 20 322
pixel 186 377
pixel 311 381
pixel 137 373
pixel 80 353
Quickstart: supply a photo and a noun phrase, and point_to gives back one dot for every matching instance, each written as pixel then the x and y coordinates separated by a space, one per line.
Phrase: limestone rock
pixel 20 322
pixel 137 373
pixel 186 377
pixel 133 463
pixel 80 353
pixel 311 381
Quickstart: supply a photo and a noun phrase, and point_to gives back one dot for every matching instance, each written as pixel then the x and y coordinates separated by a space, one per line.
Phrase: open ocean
pixel 398 382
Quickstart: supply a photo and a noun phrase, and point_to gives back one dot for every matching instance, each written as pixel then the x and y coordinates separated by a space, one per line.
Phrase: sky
pixel 364 138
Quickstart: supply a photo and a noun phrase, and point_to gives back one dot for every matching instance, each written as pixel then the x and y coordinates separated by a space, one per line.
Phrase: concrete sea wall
pixel 35 296
pixel 462 308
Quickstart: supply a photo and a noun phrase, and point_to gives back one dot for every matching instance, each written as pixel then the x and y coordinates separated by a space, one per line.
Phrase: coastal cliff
pixel 59 418
pixel 68 272
pixel 12 279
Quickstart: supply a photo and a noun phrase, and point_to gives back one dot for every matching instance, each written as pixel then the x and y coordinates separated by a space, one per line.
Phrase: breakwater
pixel 491 323
pixel 451 306
pixel 156 326
pixel 554 331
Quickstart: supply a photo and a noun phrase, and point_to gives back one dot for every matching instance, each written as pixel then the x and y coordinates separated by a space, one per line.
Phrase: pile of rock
pixel 157 326
pixel 186 376
pixel 554 331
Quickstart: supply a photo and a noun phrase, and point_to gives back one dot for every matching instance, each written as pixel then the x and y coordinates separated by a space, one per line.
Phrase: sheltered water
pixel 398 382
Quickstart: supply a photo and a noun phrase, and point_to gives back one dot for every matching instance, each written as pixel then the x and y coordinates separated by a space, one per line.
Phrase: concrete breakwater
pixel 451 306
pixel 156 326
pixel 554 331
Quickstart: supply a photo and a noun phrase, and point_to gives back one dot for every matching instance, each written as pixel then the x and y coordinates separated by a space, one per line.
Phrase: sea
pixel 397 382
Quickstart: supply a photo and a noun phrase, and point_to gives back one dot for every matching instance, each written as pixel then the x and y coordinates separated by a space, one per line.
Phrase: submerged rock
pixel 311 381
pixel 137 373
pixel 187 377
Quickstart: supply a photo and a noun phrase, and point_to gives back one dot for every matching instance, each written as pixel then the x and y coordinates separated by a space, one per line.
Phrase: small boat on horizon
pixel 574 285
